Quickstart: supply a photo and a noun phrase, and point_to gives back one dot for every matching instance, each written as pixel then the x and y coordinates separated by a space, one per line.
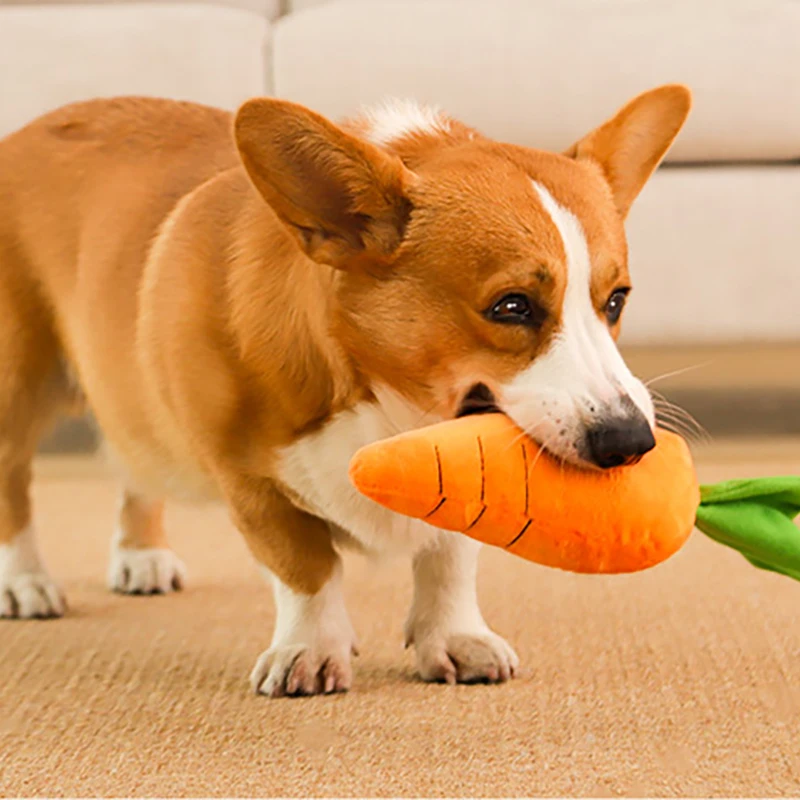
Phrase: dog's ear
pixel 630 146
pixel 343 198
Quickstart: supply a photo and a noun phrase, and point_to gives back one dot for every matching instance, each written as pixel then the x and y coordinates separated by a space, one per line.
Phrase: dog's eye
pixel 516 309
pixel 615 305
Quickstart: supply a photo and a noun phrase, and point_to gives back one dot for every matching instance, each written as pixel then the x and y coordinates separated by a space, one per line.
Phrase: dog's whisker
pixel 422 417
pixel 674 372
pixel 666 410
pixel 685 424
pixel 664 402
pixel 675 412
pixel 525 434
pixel 544 446
pixel 690 430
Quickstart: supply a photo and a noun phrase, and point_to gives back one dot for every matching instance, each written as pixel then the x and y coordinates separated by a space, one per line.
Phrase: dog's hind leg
pixel 32 387
pixel 141 561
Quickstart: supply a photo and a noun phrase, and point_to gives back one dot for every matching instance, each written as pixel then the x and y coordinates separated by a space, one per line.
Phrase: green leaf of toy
pixel 756 517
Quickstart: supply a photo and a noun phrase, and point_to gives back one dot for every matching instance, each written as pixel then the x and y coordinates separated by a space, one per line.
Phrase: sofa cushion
pixel 713 256
pixel 543 73
pixel 270 9
pixel 300 5
pixel 51 55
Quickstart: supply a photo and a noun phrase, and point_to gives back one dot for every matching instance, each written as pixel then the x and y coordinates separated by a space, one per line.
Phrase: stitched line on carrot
pixel 483 472
pixel 476 520
pixel 519 535
pixel 438 506
pixel 525 463
pixel 439 468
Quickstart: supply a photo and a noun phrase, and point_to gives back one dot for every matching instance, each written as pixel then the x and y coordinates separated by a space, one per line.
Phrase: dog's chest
pixel 314 470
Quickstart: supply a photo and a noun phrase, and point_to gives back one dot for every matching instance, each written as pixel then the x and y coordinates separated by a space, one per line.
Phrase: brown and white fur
pixel 245 301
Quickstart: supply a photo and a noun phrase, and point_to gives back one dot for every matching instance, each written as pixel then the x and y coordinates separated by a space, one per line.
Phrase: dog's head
pixel 472 274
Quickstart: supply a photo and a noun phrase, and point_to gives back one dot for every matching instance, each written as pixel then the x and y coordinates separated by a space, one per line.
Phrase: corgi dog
pixel 243 301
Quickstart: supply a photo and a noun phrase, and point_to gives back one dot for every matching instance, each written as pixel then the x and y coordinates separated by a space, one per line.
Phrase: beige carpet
pixel 683 680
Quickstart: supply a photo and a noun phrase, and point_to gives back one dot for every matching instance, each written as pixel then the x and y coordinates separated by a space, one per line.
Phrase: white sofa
pixel 714 238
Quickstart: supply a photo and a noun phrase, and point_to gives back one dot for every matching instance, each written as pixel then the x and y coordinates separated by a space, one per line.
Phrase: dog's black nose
pixel 619 440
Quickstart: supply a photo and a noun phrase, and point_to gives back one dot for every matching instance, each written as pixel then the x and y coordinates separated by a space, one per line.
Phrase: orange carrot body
pixel 481 476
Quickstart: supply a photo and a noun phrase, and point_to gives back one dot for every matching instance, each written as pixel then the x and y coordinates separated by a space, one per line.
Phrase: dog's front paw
pixel 294 670
pixel 30 595
pixel 152 570
pixel 470 657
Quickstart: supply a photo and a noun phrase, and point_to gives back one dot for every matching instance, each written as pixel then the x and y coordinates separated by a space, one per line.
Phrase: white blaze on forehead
pixel 582 375
pixel 395 119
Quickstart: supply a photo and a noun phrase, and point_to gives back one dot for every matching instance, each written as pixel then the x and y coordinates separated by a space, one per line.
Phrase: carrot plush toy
pixel 481 476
